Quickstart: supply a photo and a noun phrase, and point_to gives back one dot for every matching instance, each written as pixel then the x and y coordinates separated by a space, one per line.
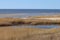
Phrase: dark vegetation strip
pixel 13 23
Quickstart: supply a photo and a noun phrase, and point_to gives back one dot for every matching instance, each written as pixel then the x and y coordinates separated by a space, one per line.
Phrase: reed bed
pixel 30 21
pixel 11 33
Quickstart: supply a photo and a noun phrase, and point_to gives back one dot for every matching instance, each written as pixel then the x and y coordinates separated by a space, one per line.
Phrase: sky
pixel 29 4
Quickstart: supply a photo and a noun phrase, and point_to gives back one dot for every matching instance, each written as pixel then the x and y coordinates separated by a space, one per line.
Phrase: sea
pixel 28 12
pixel 23 13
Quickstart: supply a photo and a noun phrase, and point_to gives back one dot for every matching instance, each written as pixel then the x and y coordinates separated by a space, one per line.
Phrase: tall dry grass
pixel 18 21
pixel 11 33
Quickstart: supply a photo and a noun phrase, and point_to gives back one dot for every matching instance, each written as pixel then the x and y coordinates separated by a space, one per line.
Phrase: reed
pixel 30 21
pixel 11 33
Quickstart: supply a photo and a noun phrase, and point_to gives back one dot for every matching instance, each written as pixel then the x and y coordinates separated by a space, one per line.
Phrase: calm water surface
pixel 37 26
pixel 27 12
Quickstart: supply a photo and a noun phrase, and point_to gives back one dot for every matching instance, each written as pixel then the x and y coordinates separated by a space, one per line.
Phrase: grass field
pixel 11 33
pixel 31 21
pixel 16 33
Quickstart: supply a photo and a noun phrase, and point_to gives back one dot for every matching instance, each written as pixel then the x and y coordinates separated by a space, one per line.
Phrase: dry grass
pixel 16 33
pixel 11 33
pixel 32 21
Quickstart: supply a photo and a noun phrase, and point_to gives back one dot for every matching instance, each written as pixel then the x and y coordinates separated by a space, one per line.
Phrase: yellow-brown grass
pixel 31 20
pixel 15 21
pixel 11 33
